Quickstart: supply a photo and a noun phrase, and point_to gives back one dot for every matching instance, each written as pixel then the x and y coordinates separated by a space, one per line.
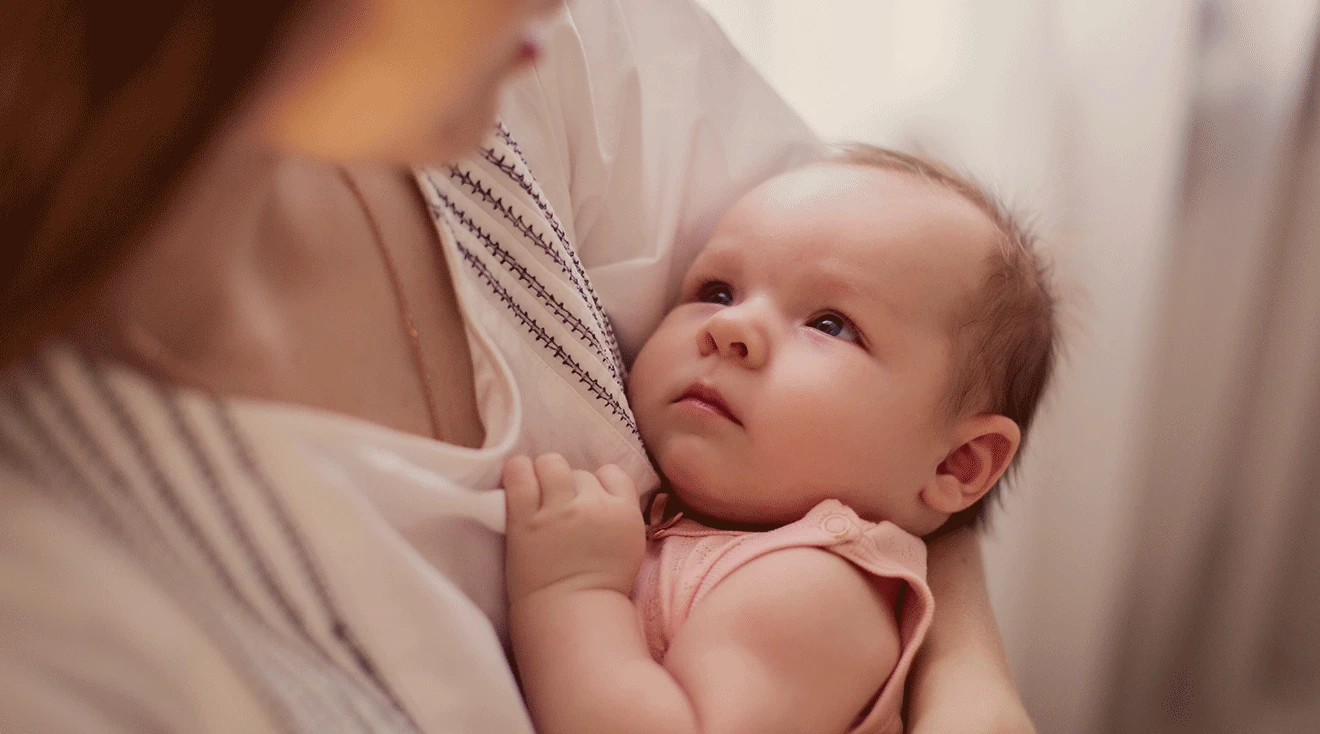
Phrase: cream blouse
pixel 171 562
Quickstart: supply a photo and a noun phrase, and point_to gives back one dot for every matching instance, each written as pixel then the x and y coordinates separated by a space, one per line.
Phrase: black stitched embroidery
pixel 539 334
pixel 522 274
pixel 571 267
pixel 528 185
pixel 537 331
pixel 511 171
pixel 503 131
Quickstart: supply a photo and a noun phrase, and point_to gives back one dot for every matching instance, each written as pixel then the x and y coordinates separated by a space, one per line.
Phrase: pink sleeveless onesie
pixel 685 560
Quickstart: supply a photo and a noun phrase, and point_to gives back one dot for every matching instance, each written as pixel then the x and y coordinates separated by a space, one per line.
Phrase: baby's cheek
pixel 821 432
pixel 695 468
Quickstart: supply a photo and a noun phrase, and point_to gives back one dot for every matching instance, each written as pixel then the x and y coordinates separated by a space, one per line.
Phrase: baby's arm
pixel 795 641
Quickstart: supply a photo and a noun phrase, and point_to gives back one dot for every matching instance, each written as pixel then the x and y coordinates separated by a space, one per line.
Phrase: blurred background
pixel 1157 568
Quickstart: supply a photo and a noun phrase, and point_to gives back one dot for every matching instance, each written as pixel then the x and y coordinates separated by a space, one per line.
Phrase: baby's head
pixel 873 329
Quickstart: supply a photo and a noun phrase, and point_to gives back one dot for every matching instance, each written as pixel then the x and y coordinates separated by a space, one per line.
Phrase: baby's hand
pixel 570 529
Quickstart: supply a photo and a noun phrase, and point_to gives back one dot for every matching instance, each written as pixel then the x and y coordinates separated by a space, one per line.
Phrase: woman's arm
pixel 961 681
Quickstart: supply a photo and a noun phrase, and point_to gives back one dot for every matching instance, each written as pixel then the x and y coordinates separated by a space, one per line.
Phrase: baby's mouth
pixel 705 397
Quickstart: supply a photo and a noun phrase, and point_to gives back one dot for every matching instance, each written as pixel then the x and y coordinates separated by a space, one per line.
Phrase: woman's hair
pixel 103 105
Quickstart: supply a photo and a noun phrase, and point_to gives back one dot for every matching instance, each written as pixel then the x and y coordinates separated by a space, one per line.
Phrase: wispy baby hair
pixel 1006 339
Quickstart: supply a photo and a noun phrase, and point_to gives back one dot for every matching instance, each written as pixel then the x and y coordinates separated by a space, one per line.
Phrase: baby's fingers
pixel 522 493
pixel 617 482
pixel 558 485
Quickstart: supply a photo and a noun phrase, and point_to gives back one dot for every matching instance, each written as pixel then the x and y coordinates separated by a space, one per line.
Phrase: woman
pixel 260 376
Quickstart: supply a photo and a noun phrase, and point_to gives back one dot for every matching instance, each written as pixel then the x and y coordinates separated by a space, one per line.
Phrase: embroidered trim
pixel 541 335
pixel 503 131
pixel 476 186
pixel 511 264
pixel 586 292
pixel 528 184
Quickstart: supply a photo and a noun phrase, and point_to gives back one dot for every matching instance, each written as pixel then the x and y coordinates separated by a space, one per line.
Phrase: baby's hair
pixel 1006 339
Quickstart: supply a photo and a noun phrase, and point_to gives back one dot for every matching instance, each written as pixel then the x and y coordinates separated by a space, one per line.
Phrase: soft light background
pixel 1157 568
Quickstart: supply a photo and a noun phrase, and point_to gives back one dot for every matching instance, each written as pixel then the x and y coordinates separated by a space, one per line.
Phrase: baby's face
pixel 811 349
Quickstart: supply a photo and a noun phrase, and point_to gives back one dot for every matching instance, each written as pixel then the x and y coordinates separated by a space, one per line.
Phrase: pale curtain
pixel 1225 585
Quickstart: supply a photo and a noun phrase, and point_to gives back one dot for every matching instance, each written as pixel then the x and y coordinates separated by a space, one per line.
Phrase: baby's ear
pixel 984 446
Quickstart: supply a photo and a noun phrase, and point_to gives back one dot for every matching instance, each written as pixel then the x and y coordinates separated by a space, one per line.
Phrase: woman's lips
pixel 530 49
pixel 531 45
pixel 705 397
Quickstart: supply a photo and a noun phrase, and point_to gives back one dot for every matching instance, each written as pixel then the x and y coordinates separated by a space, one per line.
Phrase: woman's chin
pixel 453 140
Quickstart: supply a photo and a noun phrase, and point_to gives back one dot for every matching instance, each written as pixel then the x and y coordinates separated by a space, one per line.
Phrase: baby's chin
pixel 713 487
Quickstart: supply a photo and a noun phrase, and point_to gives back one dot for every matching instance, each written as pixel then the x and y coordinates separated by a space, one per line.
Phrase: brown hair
pixel 1006 341
pixel 102 107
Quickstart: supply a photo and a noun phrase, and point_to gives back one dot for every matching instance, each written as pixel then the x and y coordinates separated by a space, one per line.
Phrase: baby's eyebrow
pixel 843 283
pixel 720 256
pixel 837 275
pixel 833 276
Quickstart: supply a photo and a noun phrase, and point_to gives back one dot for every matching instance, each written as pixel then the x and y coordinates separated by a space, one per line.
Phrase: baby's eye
pixel 835 325
pixel 717 293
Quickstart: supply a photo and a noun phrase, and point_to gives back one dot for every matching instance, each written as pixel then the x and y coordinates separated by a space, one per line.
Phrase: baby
pixel 856 358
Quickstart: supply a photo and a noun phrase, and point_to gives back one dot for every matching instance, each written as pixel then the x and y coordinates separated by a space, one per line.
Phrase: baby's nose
pixel 734 337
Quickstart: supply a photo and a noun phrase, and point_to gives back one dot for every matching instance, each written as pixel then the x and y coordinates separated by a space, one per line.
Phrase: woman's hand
pixel 570 529
pixel 961 681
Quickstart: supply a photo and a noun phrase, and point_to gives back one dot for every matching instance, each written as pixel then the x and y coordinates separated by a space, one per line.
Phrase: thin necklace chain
pixel 406 319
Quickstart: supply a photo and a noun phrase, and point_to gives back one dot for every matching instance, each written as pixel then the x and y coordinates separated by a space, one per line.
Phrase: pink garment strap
pixel 656 522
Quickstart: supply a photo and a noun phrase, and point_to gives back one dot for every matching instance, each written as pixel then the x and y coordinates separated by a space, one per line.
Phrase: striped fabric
pixel 168 477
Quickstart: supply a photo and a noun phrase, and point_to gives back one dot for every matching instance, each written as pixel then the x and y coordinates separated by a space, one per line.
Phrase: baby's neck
pixel 674 506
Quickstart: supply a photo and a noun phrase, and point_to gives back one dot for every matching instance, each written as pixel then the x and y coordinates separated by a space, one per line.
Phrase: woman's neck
pixel 268 282
pixel 192 284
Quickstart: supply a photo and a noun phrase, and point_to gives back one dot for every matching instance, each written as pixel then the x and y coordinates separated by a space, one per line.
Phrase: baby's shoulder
pixel 811 571
pixel 810 586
